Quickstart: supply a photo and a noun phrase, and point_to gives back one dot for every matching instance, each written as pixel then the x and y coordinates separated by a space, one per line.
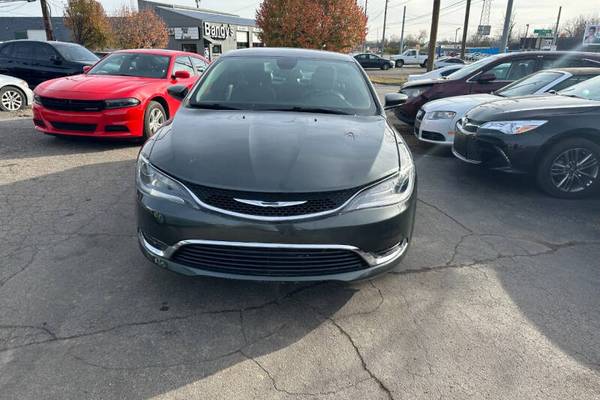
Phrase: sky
pixel 537 13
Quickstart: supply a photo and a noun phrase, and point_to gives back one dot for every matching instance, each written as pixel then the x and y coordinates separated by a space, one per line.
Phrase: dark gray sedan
pixel 279 165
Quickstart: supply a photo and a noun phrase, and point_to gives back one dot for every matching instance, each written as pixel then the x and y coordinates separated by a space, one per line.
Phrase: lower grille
pixel 313 202
pixel 438 137
pixel 69 126
pixel 260 261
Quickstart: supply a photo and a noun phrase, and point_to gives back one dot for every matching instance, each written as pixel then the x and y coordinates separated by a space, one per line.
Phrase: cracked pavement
pixel 498 297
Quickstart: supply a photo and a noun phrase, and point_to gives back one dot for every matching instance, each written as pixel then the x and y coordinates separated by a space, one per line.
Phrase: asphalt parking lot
pixel 498 297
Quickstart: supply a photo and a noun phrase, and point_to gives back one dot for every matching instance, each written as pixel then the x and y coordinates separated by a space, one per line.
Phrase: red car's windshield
pixel 133 64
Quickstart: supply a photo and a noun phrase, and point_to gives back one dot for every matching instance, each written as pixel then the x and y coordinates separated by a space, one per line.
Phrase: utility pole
pixel 463 45
pixel 526 30
pixel 556 27
pixel 47 21
pixel 384 21
pixel 402 32
pixel 367 17
pixel 435 18
pixel 504 40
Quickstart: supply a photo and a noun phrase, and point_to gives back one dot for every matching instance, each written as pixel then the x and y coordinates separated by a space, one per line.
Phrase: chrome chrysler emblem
pixel 260 203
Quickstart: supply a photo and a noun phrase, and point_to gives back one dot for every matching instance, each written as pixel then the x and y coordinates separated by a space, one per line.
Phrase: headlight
pixel 121 103
pixel 440 115
pixel 394 190
pixel 513 127
pixel 414 92
pixel 156 184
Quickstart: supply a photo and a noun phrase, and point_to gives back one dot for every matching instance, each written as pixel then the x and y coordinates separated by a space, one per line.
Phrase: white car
pixel 446 61
pixel 436 73
pixel 436 120
pixel 14 93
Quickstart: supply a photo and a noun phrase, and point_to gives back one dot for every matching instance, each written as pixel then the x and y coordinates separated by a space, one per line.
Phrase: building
pixel 32 28
pixel 205 31
pixel 191 29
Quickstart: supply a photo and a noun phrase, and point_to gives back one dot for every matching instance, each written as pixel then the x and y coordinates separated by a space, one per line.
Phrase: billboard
pixel 591 35
pixel 484 30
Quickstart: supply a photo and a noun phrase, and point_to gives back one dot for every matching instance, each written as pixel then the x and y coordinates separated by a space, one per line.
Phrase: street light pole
pixel 402 32
pixel 456 36
pixel 384 22
pixel 556 27
pixel 504 40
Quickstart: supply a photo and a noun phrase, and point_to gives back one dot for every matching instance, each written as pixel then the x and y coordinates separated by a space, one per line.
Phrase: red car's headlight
pixel 121 103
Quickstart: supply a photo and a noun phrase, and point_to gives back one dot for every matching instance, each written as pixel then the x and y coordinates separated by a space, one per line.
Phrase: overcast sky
pixel 537 13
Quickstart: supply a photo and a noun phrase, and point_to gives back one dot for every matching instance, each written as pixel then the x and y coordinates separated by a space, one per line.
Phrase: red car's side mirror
pixel 86 68
pixel 181 75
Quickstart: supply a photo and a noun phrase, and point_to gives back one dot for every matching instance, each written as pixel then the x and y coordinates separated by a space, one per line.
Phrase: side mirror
pixel 86 68
pixel 181 75
pixel 178 91
pixel 56 60
pixel 486 77
pixel 394 100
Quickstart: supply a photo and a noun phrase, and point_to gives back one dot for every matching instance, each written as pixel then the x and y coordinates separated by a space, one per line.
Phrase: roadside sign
pixel 542 32
pixel 591 37
pixel 484 30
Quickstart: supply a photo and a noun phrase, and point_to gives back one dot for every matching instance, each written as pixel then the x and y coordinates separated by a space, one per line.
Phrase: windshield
pixel 589 89
pixel 468 69
pixel 285 83
pixel 530 84
pixel 75 52
pixel 133 64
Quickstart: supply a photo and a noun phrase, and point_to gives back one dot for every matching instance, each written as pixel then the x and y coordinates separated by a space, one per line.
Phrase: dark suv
pixel 488 75
pixel 37 61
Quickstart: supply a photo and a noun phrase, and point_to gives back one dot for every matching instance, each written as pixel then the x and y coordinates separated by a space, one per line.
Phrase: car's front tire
pixel 12 99
pixel 154 116
pixel 399 63
pixel 570 169
pixel 385 67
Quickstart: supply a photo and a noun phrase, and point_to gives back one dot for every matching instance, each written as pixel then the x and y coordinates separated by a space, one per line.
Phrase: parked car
pixel 436 121
pixel 36 61
pixel 410 57
pixel 446 61
pixel 277 180
pixel 487 75
pixel 436 73
pixel 123 95
pixel 555 137
pixel 368 60
pixel 14 93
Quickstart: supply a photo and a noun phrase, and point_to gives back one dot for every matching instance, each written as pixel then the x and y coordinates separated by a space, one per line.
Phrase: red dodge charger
pixel 123 95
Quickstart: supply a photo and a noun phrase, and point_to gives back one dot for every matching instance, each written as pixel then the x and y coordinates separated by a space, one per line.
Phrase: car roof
pixel 287 52
pixel 159 52
pixel 559 53
pixel 50 42
pixel 577 70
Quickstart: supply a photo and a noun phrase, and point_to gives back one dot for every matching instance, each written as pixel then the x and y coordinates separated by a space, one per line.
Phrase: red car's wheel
pixel 154 117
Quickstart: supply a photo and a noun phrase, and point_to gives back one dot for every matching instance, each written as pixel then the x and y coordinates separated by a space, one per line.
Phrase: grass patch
pixel 388 80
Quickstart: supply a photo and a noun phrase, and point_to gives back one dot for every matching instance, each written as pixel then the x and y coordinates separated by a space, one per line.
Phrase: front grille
pixel 315 202
pixel 71 104
pixel 262 261
pixel 69 126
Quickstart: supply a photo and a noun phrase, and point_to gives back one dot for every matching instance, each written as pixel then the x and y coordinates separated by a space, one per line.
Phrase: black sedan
pixel 295 178
pixel 368 60
pixel 554 137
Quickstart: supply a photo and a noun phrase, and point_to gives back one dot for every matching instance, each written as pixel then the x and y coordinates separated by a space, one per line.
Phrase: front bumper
pixel 115 123
pixel 495 150
pixel 439 131
pixel 379 236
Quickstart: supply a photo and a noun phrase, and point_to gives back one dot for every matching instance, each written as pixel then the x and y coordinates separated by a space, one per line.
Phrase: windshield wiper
pixel 212 106
pixel 321 110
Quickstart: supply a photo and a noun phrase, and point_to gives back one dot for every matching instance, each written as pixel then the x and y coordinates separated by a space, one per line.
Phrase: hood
pixel 425 82
pixel 92 85
pixel 459 103
pixel 275 151
pixel 532 106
